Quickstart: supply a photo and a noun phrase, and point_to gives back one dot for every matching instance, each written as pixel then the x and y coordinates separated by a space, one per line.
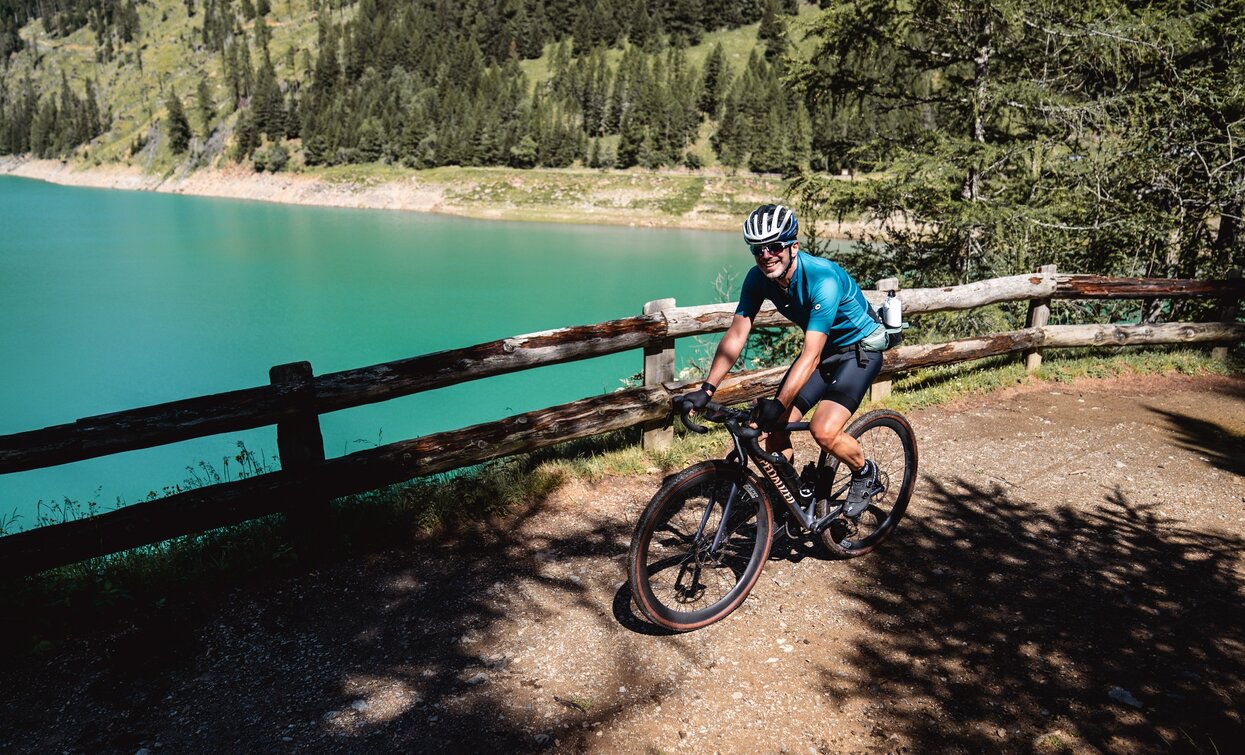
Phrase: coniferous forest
pixel 982 137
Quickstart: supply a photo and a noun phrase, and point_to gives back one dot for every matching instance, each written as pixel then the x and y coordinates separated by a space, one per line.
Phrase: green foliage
pixel 246 136
pixel 178 126
pixel 1092 135
pixel 205 107
pixel 272 158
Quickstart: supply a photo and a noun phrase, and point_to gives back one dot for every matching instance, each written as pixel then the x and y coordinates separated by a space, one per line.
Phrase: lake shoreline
pixel 634 199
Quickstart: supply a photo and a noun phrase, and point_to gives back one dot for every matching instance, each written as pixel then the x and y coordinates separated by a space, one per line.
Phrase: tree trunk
pixel 971 190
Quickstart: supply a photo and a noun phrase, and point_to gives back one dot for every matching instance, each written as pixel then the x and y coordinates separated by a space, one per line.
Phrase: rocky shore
pixel 673 200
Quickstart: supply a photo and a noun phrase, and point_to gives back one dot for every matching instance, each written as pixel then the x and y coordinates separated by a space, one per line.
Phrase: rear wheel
pixel 886 438
pixel 699 546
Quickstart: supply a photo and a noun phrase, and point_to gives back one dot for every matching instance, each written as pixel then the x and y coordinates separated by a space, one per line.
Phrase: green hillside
pixel 169 55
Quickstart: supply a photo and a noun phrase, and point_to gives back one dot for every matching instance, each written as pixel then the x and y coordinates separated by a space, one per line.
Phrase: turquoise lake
pixel 111 300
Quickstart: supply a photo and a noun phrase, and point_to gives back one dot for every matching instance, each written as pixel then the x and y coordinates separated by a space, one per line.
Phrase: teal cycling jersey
pixel 822 297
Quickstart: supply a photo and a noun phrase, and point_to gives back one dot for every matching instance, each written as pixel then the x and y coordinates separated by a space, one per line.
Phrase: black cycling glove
pixel 770 415
pixel 699 398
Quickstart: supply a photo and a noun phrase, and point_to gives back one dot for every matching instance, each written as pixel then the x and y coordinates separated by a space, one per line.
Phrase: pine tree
pixel 246 136
pixel 714 82
pixel 684 22
pixel 773 31
pixel 641 31
pixel 204 106
pixel 94 119
pixel 178 127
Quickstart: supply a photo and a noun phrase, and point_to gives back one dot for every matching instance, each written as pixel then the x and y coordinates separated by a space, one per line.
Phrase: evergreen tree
pixel 91 113
pixel 772 33
pixel 714 82
pixel 683 22
pixel 641 30
pixel 178 127
pixel 974 108
pixel 246 136
pixel 205 107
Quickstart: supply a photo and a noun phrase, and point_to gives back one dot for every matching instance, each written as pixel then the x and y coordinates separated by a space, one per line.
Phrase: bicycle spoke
pixel 696 560
pixel 884 438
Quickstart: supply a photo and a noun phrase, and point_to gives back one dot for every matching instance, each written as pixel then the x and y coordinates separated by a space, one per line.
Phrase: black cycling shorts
pixel 840 378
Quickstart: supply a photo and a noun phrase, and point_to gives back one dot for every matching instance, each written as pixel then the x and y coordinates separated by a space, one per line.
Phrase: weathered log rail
pixel 296 400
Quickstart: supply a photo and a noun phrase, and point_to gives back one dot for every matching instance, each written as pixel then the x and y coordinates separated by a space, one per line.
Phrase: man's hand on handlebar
pixel 770 415
pixel 698 399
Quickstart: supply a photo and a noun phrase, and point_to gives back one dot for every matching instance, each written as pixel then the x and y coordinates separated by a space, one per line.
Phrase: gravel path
pixel 1069 579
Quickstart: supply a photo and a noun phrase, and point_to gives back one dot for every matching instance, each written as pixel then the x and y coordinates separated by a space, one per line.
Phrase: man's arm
pixel 729 349
pixel 810 357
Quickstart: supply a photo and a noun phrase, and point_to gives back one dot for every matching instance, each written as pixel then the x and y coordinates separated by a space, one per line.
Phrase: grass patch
pixel 939 385
pixel 163 579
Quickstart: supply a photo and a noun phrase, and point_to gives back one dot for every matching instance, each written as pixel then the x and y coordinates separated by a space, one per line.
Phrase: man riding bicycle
pixel 841 355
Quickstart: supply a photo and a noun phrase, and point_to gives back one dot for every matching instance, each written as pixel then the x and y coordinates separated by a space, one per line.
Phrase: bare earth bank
pixel 670 200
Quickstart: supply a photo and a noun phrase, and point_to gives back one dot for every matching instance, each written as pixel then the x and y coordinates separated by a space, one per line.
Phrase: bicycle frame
pixel 800 501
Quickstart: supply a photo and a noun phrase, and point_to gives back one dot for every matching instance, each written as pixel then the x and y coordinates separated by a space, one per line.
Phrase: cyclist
pixel 840 357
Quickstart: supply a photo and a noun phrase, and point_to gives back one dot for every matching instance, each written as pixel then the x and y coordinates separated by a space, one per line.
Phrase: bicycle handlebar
pixel 734 419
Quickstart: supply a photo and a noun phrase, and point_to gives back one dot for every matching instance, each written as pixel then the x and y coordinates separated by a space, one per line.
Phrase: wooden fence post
pixel 658 369
pixel 1227 314
pixel 300 444
pixel 882 388
pixel 1039 315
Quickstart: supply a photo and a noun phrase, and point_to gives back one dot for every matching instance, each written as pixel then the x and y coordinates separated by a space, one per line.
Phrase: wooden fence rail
pixel 250 408
pixel 295 399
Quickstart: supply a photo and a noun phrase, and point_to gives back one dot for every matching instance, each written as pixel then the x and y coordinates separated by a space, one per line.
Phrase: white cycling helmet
pixel 771 222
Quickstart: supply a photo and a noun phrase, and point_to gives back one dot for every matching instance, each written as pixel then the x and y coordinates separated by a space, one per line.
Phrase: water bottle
pixel 892 311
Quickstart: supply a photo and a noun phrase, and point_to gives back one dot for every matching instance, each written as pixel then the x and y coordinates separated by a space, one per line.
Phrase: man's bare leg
pixel 827 429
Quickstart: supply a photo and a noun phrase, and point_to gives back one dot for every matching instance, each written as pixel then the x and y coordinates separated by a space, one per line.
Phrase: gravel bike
pixel 700 544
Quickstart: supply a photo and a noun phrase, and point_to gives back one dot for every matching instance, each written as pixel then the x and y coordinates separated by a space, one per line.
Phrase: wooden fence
pixel 295 398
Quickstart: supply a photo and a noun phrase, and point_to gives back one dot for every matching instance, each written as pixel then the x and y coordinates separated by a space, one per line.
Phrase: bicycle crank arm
pixel 821 524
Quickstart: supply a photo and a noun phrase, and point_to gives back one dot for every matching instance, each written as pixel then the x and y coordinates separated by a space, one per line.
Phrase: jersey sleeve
pixel 752 295
pixel 824 305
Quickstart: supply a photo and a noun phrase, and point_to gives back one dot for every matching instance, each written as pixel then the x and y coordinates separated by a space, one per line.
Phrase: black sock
pixel 864 471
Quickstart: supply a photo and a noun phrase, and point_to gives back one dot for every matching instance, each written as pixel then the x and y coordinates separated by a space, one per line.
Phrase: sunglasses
pixel 774 247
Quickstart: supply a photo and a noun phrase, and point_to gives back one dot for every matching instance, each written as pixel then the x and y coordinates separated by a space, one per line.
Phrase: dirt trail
pixel 1070 578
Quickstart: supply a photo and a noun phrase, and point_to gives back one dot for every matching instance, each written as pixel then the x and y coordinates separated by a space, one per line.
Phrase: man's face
pixel 774 258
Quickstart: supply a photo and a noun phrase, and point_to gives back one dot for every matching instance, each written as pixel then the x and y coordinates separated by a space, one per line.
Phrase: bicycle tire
pixel 886 437
pixel 676 581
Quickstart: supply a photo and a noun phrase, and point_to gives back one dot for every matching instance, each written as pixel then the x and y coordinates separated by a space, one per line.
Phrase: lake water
pixel 111 300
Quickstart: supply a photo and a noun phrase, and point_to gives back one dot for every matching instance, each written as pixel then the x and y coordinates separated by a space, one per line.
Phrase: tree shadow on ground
pixel 1217 444
pixel 1007 626
pixel 389 651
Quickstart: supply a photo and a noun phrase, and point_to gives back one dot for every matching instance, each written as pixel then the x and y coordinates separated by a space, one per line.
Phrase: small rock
pixel 543 739
pixel 359 705
pixel 477 679
pixel 1121 695
pixel 622 690
pixel 737 695
pixel 143 751
pixel 1001 732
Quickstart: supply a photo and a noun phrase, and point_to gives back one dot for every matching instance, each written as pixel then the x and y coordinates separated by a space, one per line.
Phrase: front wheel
pixel 885 437
pixel 699 546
